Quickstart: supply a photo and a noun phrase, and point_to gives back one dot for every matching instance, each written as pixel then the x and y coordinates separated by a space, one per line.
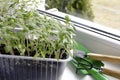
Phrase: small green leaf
pixel 67 19
pixel 8 49
pixel 22 52
pixel 36 55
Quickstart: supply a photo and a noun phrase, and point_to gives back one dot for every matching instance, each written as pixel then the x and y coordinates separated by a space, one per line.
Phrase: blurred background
pixel 105 12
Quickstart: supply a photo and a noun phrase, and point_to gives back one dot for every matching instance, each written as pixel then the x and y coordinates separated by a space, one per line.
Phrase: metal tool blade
pixel 79 53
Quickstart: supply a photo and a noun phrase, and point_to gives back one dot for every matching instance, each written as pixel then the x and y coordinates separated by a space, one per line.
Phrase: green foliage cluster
pixel 27 31
pixel 79 8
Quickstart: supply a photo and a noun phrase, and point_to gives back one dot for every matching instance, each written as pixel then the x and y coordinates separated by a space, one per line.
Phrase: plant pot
pixel 26 68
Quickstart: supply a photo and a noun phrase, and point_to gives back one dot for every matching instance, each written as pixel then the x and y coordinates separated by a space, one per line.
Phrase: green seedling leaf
pixel 8 49
pixel 36 55
pixel 67 19
pixel 35 32
pixel 22 52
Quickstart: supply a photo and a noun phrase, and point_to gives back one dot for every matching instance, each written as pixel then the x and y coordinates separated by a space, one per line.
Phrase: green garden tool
pixel 79 59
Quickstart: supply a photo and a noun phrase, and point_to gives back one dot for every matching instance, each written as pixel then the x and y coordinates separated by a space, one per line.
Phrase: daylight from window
pixel 104 12
pixel 107 12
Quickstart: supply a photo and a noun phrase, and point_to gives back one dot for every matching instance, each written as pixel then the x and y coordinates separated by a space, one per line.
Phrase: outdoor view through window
pixel 105 12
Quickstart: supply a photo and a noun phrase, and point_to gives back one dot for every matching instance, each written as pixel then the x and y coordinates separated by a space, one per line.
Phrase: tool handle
pixel 96 75
pixel 113 59
pixel 110 72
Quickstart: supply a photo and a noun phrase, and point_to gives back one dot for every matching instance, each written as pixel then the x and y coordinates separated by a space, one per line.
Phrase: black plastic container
pixel 27 68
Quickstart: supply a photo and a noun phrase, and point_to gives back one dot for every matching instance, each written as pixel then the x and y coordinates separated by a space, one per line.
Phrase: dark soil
pixel 32 53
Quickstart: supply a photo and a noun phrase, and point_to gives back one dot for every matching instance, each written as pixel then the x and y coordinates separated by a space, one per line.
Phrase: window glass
pixel 105 12
pixel 79 8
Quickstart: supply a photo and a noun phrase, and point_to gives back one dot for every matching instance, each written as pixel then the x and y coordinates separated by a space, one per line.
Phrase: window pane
pixel 107 12
pixel 79 8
